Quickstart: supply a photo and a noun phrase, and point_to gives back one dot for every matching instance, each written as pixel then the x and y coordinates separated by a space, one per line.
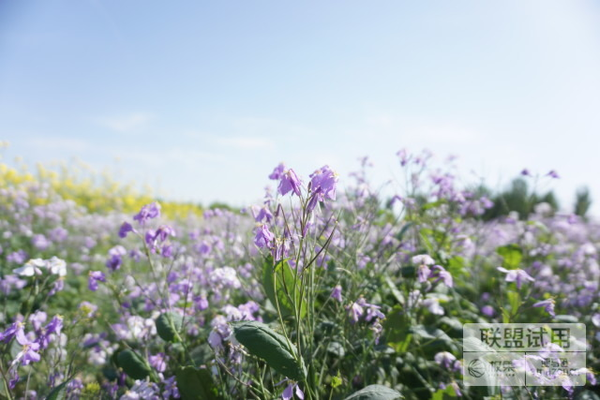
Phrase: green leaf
pixel 336 349
pixel 396 328
pixel 261 341
pixel 433 340
pixel 376 392
pixel 196 384
pixel 512 255
pixel 278 282
pixel 59 392
pixel 133 365
pixel 168 326
pixel 405 228
pixel 514 301
pixel 456 265
pixel 394 289
pixel 443 394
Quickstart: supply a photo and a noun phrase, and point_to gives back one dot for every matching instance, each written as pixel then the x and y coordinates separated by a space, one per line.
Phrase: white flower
pixel 31 268
pixel 423 259
pixel 57 266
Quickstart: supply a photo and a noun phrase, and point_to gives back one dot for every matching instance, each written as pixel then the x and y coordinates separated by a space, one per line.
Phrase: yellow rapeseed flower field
pixel 94 191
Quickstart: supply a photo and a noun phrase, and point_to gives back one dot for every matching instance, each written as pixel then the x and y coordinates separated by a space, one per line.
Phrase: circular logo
pixel 476 368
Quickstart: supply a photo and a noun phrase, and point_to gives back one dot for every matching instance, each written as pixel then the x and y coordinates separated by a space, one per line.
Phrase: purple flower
pixel 289 182
pixel 442 275
pixel 322 185
pixel 516 275
pixel 149 211
pixel 94 278
pixel 548 306
pixel 18 257
pixel 277 173
pixel 488 311
pixel 40 242
pixel 336 293
pixel 264 215
pixel 288 392
pixel 553 174
pixel 163 232
pixel 445 359
pixel 55 325
pixel 115 259
pixel 160 235
pixel 58 234
pixel 125 229
pixel 167 251
pixel 11 331
pixel 373 312
pixel 37 319
pixel 525 172
pixel 158 362
pixel 403 156
pixel 264 237
pixel 29 351
pixel 423 272
pixel 356 310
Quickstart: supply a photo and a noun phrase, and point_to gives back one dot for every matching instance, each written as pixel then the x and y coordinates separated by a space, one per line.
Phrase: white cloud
pixel 127 123
pixel 247 143
pixel 66 145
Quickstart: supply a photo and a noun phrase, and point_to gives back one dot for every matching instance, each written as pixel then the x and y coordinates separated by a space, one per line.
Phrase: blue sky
pixel 202 99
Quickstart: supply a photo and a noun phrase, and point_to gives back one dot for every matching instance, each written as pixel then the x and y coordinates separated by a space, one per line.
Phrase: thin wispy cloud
pixel 65 145
pixel 127 123
pixel 247 143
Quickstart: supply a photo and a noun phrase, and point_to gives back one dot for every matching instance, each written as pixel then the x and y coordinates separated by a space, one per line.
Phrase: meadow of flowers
pixel 315 293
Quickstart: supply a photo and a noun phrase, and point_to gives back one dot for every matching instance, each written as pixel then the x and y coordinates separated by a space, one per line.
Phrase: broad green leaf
pixel 278 282
pixel 261 341
pixel 376 392
pixel 168 326
pixel 512 255
pixel 196 384
pixel 133 365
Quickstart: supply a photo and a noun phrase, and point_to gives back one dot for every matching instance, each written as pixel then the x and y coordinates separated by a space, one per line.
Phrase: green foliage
pixel 375 392
pixel 168 326
pixel 583 202
pixel 282 286
pixel 516 198
pixel 59 392
pixel 511 255
pixel 261 341
pixel 133 365
pixel 196 384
